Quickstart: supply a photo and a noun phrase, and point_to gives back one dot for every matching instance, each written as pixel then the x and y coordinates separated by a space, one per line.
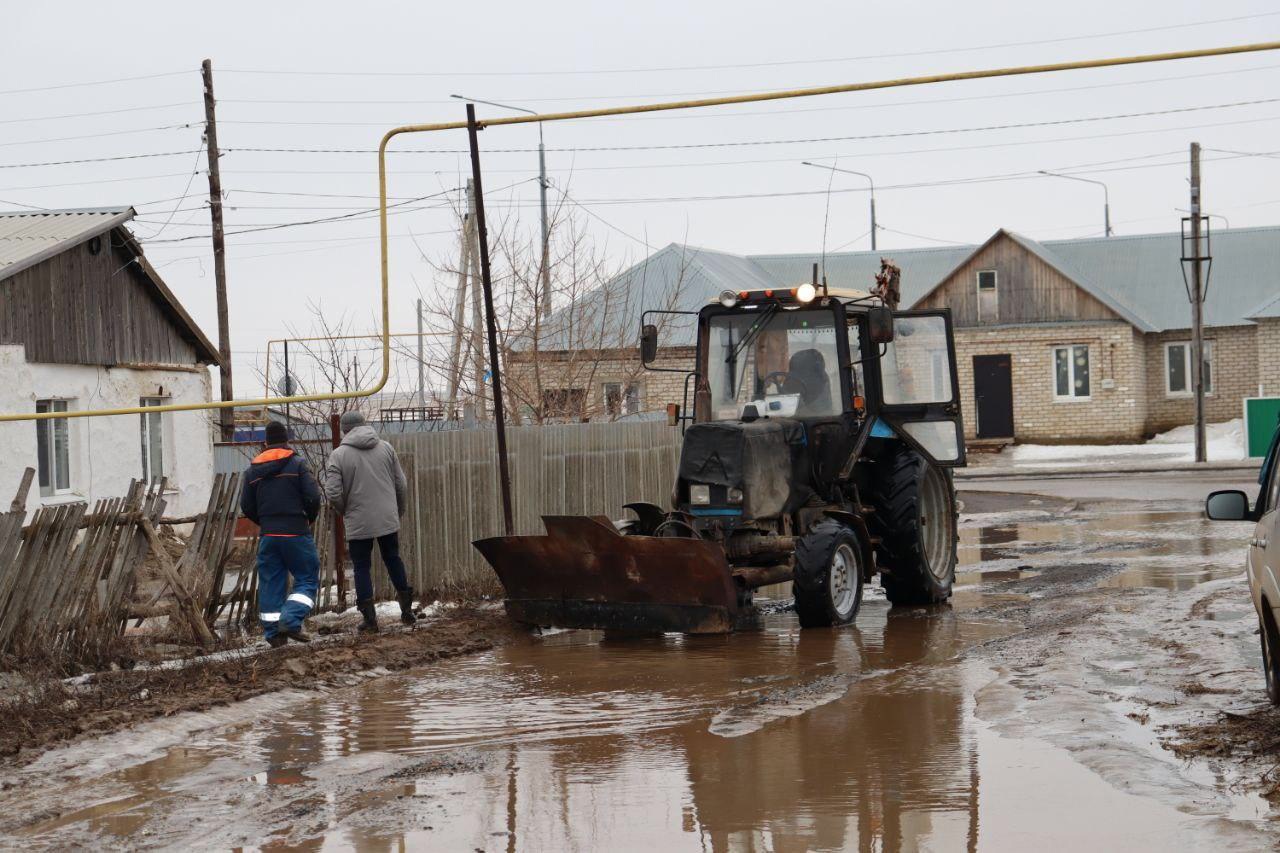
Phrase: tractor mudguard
pixel 584 574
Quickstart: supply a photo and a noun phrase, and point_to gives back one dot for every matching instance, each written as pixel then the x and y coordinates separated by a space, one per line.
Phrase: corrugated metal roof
pixel 29 237
pixel 1139 277
pixel 1145 272
pixel 1269 308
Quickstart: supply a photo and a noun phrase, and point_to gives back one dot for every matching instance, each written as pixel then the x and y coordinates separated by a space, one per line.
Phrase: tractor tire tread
pixel 907 580
pixel 813 556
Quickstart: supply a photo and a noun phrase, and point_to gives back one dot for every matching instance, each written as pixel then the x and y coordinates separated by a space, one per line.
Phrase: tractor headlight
pixel 700 494
pixel 806 292
pixel 728 298
pixel 735 496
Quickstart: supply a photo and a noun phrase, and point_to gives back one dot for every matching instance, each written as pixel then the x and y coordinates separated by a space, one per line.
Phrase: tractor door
pixel 919 389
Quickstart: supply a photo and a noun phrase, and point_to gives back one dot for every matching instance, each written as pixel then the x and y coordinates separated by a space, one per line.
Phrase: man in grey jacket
pixel 364 482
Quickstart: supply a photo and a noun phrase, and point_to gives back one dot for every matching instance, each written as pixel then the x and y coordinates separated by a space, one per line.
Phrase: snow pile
pixel 1224 443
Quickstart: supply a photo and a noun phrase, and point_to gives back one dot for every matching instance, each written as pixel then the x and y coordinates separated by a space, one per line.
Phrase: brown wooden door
pixel 993 395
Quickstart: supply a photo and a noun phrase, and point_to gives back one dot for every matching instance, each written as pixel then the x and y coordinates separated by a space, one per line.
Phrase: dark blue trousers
pixel 280 557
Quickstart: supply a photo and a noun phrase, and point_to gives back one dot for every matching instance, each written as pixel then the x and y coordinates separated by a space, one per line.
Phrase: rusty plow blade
pixel 584 574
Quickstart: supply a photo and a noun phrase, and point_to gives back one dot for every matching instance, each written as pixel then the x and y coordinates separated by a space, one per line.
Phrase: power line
pixel 687 146
pixel 923 237
pixel 95 82
pixel 101 181
pixel 98 159
pixel 743 65
pixel 601 219
pixel 96 113
pixel 186 191
pixel 101 135
pixel 367 213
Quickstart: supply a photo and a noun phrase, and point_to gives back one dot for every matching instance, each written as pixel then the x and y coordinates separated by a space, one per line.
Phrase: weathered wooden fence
pixel 572 469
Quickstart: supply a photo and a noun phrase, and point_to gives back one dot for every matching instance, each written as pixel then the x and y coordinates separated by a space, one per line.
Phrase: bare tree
pixel 581 362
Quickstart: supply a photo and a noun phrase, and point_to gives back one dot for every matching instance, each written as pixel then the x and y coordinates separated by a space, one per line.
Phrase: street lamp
pixel 873 192
pixel 542 191
pixel 1106 197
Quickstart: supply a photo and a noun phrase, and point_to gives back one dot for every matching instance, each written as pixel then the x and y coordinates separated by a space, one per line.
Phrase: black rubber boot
pixel 406 606
pixel 275 641
pixel 370 623
pixel 294 634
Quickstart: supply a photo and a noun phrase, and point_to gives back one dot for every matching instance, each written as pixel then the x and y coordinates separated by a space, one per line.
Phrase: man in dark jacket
pixel 282 498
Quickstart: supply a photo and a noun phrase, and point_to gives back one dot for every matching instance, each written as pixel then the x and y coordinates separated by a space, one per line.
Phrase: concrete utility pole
pixel 460 305
pixel 1106 196
pixel 226 416
pixel 1197 304
pixel 545 271
pixel 872 184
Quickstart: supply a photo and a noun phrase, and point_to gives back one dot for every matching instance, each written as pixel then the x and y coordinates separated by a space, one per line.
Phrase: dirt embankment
pixel 53 710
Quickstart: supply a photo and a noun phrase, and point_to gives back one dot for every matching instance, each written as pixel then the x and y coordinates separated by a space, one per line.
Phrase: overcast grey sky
pixel 337 75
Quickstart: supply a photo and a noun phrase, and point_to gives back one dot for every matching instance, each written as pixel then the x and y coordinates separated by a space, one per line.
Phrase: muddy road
pixel 1088 633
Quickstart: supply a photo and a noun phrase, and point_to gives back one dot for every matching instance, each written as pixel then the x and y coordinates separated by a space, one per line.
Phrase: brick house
pixel 1057 341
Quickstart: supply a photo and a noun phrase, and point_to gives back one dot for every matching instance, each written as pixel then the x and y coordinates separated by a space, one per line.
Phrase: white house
pixel 87 323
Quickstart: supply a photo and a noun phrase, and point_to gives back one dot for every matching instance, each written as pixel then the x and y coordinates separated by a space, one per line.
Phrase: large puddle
pixel 1172 550
pixel 862 738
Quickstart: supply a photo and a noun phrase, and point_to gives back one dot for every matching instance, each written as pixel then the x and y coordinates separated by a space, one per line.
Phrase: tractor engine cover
pixel 765 458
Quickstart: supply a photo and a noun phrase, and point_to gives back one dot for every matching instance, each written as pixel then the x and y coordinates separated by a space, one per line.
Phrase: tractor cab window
pixel 783 362
pixel 916 366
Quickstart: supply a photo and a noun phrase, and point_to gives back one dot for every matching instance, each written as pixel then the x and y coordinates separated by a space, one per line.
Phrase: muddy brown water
pixel 863 738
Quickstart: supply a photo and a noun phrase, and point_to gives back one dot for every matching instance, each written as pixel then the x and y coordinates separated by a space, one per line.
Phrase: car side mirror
pixel 880 325
pixel 1231 505
pixel 648 344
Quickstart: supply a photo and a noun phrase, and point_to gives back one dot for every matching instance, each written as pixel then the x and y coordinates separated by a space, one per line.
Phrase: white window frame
pixel 49 428
pixel 625 391
pixel 1071 372
pixel 156 418
pixel 1186 366
pixel 995 294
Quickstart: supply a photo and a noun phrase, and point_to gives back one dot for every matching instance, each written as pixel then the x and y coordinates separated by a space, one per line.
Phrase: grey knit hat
pixel 350 420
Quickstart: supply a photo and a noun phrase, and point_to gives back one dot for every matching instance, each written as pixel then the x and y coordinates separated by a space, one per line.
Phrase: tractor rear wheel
pixel 915 518
pixel 828 575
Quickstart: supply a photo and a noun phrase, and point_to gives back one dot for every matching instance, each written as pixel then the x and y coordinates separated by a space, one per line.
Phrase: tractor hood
pixel 764 458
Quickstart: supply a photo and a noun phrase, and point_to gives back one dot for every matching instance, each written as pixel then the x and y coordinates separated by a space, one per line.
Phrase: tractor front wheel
pixel 915 518
pixel 828 575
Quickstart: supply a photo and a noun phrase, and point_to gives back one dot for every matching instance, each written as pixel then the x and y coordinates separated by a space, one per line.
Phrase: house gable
pixel 1029 289
pixel 98 302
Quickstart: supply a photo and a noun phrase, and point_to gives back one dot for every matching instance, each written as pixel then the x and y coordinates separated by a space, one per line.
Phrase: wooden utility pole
pixel 1197 304
pixel 491 327
pixel 226 416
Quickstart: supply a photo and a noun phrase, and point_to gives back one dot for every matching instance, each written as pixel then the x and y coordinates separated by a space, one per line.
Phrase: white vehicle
pixel 1263 561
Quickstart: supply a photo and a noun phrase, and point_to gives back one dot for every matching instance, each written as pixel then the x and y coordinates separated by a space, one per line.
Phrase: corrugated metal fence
pixel 575 469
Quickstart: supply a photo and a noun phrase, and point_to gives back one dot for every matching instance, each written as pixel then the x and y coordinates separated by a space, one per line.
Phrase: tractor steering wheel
pixel 778 377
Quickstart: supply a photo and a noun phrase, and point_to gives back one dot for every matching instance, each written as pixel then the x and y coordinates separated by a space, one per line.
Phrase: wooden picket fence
pixel 68 578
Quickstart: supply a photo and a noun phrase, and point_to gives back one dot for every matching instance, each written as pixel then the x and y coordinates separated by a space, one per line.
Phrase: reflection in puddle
pixel 1163 549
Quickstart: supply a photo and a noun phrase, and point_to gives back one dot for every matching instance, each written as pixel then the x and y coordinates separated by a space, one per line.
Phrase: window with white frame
pixel 620 399
pixel 152 441
pixel 1177 368
pixel 53 449
pixel 1071 372
pixel 988 297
